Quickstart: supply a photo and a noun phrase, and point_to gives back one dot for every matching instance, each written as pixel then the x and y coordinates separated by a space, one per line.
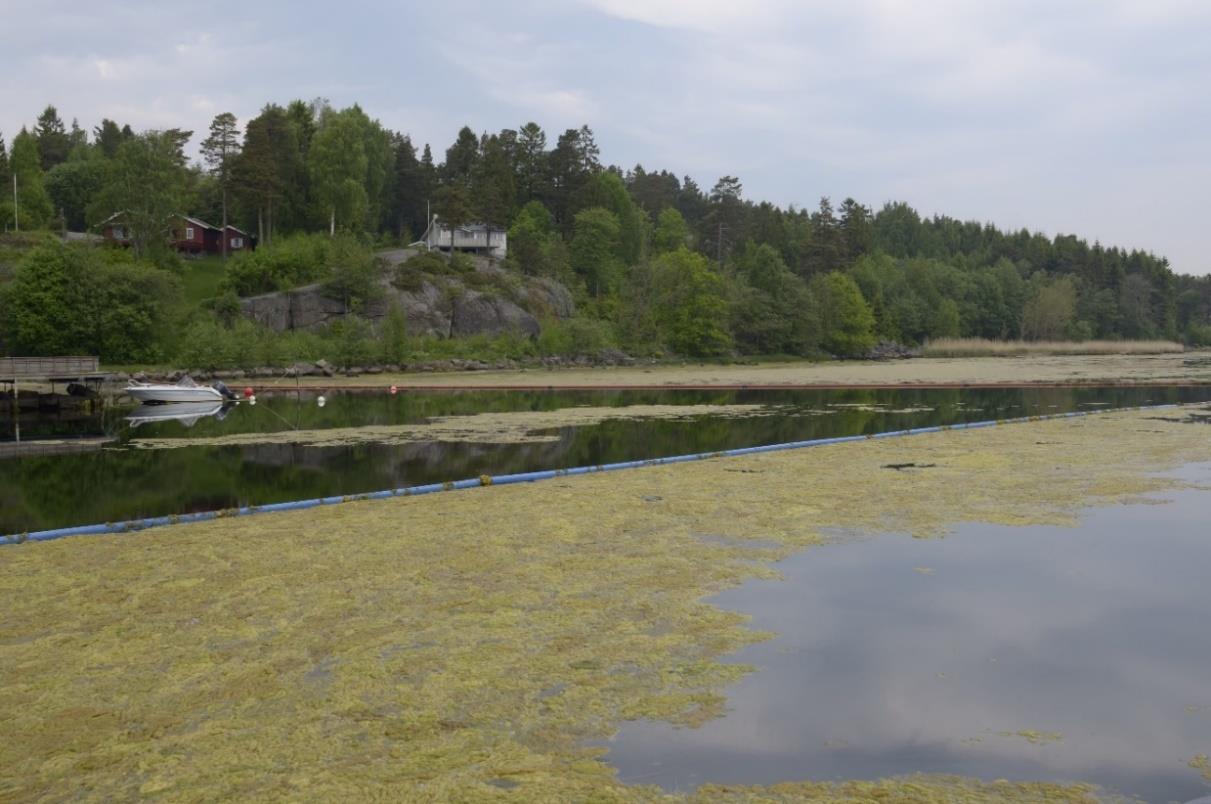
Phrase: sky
pixel 1085 117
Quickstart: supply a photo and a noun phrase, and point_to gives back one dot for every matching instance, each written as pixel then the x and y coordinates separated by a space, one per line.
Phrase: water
pixel 113 482
pixel 897 656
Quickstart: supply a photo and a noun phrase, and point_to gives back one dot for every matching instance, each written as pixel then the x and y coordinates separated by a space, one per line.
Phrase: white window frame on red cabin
pixel 237 242
pixel 189 233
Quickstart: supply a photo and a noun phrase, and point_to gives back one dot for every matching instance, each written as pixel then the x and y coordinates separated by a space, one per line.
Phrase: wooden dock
pixel 50 369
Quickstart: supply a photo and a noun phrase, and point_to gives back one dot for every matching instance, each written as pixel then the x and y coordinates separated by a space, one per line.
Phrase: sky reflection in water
pixel 897 655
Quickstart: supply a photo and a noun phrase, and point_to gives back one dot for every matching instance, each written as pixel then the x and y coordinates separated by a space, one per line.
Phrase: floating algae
pixel 521 427
pixel 1034 737
pixel 435 647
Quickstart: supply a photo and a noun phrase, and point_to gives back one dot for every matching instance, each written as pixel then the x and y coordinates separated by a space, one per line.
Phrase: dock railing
pixel 47 368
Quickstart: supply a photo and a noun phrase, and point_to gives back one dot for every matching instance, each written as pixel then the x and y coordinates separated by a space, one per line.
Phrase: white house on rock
pixel 478 238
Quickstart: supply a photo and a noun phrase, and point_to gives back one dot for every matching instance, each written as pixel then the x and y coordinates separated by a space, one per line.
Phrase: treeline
pixel 662 263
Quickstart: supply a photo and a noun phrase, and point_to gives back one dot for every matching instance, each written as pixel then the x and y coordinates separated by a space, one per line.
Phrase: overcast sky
pixel 1086 117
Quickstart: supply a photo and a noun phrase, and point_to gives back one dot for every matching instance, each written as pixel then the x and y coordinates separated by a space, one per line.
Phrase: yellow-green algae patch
pixel 519 427
pixel 467 646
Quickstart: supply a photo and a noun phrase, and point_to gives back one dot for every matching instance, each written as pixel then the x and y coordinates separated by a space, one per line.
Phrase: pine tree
pixel 220 150
pixel 53 141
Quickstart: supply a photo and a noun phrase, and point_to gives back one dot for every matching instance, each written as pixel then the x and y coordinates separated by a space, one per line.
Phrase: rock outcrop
pixel 444 306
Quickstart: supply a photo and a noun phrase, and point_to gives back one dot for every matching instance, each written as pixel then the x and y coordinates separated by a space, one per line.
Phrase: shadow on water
pixel 1034 653
pixel 118 482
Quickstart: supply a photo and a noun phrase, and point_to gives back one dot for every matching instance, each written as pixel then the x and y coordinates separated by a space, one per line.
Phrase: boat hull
pixel 173 393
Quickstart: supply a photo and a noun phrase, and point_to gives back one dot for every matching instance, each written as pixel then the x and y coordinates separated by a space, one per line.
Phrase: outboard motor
pixel 224 390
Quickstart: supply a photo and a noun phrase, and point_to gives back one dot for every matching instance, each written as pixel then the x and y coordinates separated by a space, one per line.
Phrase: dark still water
pixel 98 475
pixel 1023 653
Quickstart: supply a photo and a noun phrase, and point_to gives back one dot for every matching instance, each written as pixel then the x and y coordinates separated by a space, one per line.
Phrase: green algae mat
pixel 470 646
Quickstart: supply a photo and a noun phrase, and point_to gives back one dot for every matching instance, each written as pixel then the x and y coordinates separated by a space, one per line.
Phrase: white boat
pixel 187 413
pixel 186 390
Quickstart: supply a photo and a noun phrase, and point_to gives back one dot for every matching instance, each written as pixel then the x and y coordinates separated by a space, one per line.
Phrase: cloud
pixel 1022 112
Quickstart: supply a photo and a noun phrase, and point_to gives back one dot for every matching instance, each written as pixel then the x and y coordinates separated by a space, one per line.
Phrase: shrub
pixel 575 336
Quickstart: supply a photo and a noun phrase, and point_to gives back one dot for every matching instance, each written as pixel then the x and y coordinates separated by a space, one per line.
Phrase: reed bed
pixel 983 347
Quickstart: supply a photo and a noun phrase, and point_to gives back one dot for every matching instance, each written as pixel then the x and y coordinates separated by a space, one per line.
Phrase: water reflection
pixel 117 482
pixel 960 655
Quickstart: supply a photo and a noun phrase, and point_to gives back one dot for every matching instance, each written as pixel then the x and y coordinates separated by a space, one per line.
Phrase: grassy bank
pixel 470 646
pixel 982 347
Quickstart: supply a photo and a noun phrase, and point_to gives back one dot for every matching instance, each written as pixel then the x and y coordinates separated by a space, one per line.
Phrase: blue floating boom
pixel 520 477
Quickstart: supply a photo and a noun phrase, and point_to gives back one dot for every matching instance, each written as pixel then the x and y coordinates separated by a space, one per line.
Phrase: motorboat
pixel 184 390
pixel 187 413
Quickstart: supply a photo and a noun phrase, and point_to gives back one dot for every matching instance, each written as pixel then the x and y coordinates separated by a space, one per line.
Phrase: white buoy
pixel 252 399
pixel 319 400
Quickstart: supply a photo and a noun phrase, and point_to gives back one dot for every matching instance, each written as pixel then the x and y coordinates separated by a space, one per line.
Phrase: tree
pixel 355 273
pixel 270 168
pixel 724 222
pixel 847 323
pixel 594 250
pixel 671 233
pixel 33 204
pixel 70 300
pixel 146 184
pixel 461 158
pixel 452 203
pixel 606 190
pixel 72 185
pixel 690 304
pixel 493 187
pixel 530 240
pixel 338 167
pixel 108 137
pixel 1049 312
pixel 531 158
pixel 53 141
pixel 826 251
pixel 6 185
pixel 220 150
pixel 857 230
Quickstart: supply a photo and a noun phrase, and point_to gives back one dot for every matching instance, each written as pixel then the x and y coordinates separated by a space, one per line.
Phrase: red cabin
pixel 187 234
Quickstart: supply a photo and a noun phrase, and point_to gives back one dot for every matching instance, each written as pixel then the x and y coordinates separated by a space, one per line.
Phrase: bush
pixel 292 261
pixel 575 336
pixel 69 299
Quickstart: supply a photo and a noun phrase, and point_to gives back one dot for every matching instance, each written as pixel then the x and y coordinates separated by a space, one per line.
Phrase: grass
pixel 200 279
pixel 477 646
pixel 983 347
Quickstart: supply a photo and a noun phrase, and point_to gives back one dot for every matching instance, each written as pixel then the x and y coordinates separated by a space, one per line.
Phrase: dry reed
pixel 983 347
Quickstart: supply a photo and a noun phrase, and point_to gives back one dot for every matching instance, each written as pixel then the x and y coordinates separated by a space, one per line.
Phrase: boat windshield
pixel 186 382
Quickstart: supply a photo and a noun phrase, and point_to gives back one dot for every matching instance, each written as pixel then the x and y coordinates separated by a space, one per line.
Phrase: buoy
pixel 394 390
pixel 252 399
pixel 319 400
pixel 248 392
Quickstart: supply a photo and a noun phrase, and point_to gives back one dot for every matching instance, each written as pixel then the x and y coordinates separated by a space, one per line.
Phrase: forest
pixel 658 265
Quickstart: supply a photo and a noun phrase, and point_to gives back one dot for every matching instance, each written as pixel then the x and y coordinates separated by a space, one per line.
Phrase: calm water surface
pixel 118 482
pixel 897 655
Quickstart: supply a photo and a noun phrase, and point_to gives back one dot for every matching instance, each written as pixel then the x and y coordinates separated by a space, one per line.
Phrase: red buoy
pixel 248 392
pixel 394 390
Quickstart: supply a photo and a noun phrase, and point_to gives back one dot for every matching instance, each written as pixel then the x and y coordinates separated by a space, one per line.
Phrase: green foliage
pixel 338 166
pixel 72 185
pixel 1050 312
pixel 575 336
pixel 286 263
pixel 34 208
pixel 354 273
pixel 71 300
pixel 689 304
pixel 671 233
pixel 595 250
pixel 846 321
pixel 771 311
pixel 393 343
